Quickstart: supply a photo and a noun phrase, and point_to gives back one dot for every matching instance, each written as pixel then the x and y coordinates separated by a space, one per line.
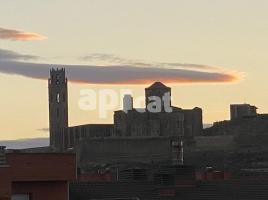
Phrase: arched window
pixel 58 98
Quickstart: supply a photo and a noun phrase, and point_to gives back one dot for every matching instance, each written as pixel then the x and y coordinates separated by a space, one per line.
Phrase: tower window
pixel 57 79
pixel 58 98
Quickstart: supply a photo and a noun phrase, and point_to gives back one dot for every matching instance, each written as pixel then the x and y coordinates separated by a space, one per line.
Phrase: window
pixel 57 79
pixel 58 98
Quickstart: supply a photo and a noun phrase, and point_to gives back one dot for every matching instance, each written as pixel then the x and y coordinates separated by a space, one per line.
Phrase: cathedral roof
pixel 157 85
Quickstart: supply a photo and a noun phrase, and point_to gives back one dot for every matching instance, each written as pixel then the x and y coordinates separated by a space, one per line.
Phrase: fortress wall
pixel 118 150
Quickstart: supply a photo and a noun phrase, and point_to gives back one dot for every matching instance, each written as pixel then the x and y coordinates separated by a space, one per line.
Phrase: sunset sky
pixel 211 52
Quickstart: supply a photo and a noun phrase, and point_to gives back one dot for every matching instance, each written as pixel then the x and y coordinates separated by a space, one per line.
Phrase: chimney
pixel 2 155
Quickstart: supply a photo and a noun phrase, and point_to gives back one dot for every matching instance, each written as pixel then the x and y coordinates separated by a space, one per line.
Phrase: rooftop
pixel 157 85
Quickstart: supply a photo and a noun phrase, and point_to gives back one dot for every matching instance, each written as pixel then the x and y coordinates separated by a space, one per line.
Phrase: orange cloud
pixel 118 74
pixel 11 34
pixel 219 78
pixel 10 63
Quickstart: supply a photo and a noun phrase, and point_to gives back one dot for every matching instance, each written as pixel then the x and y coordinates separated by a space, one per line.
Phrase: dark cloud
pixel 117 60
pixel 191 66
pixel 104 57
pixel 11 34
pixel 11 55
pixel 115 74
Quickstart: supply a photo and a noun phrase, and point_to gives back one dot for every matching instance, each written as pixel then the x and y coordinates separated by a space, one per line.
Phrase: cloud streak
pixel 109 59
pixel 11 34
pixel 7 55
pixel 114 74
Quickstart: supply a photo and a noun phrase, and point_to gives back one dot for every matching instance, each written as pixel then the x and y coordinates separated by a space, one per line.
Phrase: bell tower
pixel 58 106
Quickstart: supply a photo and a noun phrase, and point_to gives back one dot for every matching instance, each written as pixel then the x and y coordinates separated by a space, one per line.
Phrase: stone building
pixel 72 135
pixel 158 119
pixel 253 125
pixel 58 106
pixel 168 121
pixel 240 111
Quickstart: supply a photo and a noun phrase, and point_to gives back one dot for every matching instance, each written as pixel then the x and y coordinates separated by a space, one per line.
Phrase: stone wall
pixel 248 125
pixel 177 123
pixel 74 134
pixel 123 150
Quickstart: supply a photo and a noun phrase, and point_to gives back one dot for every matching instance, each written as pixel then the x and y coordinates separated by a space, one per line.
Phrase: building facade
pixel 36 176
pixel 72 135
pixel 167 121
pixel 240 111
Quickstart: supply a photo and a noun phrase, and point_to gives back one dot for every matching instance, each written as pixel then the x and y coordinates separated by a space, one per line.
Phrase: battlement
pixel 57 77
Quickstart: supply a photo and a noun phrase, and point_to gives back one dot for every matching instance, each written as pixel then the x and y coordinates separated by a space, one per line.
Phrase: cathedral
pixel 129 124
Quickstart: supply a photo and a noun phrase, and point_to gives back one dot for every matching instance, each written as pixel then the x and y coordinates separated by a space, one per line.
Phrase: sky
pixel 212 53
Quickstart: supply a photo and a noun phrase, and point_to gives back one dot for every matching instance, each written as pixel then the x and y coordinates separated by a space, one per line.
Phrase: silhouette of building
pixel 158 119
pixel 240 111
pixel 244 121
pixel 58 106
pixel 166 121
pixel 36 176
pixel 159 90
